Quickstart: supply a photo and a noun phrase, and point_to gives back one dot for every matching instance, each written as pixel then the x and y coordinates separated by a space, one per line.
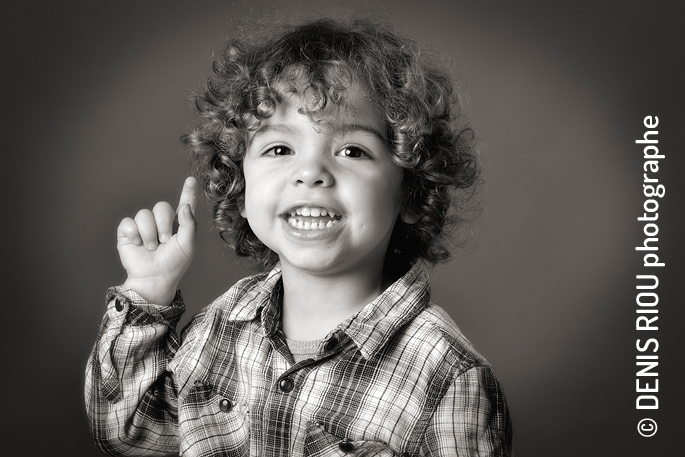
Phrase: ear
pixel 243 213
pixel 408 216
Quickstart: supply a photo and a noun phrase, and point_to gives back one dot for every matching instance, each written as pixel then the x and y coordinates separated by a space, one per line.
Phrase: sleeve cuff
pixel 125 302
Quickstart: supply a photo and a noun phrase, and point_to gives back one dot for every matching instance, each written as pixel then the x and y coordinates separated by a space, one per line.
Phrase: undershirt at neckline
pixel 302 350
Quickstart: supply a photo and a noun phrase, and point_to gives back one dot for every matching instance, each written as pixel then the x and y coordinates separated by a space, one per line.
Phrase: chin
pixel 312 265
pixel 312 262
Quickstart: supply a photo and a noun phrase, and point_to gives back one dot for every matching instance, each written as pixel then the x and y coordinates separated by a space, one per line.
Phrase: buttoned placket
pixel 286 372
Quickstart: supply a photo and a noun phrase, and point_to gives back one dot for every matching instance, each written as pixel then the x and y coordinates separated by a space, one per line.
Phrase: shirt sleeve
pixel 130 395
pixel 472 419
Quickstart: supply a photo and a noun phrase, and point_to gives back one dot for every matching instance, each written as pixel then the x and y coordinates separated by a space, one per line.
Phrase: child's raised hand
pixel 153 256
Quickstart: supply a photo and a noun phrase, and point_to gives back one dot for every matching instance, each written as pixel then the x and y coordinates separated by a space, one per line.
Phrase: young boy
pixel 331 154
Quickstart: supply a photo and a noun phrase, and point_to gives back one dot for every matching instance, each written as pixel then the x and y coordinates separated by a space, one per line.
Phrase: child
pixel 330 153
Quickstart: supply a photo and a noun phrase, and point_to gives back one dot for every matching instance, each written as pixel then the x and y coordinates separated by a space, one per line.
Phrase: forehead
pixel 354 108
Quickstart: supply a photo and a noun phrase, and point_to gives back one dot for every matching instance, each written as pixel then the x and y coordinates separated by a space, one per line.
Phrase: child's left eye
pixel 353 152
pixel 279 150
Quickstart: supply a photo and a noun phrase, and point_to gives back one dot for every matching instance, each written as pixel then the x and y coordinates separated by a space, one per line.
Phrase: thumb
pixel 187 227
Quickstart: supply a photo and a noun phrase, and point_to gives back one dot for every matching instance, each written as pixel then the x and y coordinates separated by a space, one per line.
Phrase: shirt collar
pixel 377 322
pixel 370 328
pixel 259 295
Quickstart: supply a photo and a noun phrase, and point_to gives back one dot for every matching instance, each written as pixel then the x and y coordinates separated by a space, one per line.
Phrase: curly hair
pixel 427 129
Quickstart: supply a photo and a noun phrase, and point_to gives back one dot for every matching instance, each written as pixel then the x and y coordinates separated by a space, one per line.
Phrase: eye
pixel 278 151
pixel 353 152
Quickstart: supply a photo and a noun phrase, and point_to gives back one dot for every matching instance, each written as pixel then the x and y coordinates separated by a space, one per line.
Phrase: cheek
pixel 249 203
pixel 261 193
pixel 389 192
pixel 381 200
pixel 251 177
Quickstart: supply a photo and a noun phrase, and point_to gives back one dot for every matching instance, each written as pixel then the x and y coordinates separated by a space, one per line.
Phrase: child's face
pixel 323 196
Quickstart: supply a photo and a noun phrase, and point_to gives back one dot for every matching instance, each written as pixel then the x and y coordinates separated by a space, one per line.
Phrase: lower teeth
pixel 301 225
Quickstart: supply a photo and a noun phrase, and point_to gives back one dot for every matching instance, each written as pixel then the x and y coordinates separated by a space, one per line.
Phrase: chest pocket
pixel 320 443
pixel 211 423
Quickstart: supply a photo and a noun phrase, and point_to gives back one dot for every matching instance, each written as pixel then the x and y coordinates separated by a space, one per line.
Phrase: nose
pixel 311 170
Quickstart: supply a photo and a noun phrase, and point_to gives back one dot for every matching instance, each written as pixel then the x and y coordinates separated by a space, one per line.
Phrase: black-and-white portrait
pixel 565 278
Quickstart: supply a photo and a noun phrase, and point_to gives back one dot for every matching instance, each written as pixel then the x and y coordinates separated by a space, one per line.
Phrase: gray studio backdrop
pixel 94 100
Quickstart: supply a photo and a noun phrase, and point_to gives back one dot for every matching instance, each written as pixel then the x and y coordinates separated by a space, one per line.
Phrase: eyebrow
pixel 344 128
pixel 338 130
pixel 265 128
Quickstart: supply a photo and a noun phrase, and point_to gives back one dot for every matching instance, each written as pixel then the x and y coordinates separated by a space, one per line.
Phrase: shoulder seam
pixel 476 359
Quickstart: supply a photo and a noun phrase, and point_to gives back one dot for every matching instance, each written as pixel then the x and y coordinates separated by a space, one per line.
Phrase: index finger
pixel 188 194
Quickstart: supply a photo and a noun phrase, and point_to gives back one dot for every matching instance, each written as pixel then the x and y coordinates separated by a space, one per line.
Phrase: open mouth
pixel 312 218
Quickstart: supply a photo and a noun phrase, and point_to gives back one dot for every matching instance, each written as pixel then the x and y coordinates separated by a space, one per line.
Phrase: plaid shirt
pixel 397 378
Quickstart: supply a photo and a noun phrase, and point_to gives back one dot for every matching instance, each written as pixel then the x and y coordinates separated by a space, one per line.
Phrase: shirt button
pixel 286 385
pixel 118 305
pixel 225 405
pixel 330 344
pixel 346 446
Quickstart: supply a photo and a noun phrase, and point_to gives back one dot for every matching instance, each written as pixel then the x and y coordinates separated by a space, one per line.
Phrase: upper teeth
pixel 312 211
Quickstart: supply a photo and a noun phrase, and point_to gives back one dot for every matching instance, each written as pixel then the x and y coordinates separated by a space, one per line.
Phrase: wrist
pixel 154 291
